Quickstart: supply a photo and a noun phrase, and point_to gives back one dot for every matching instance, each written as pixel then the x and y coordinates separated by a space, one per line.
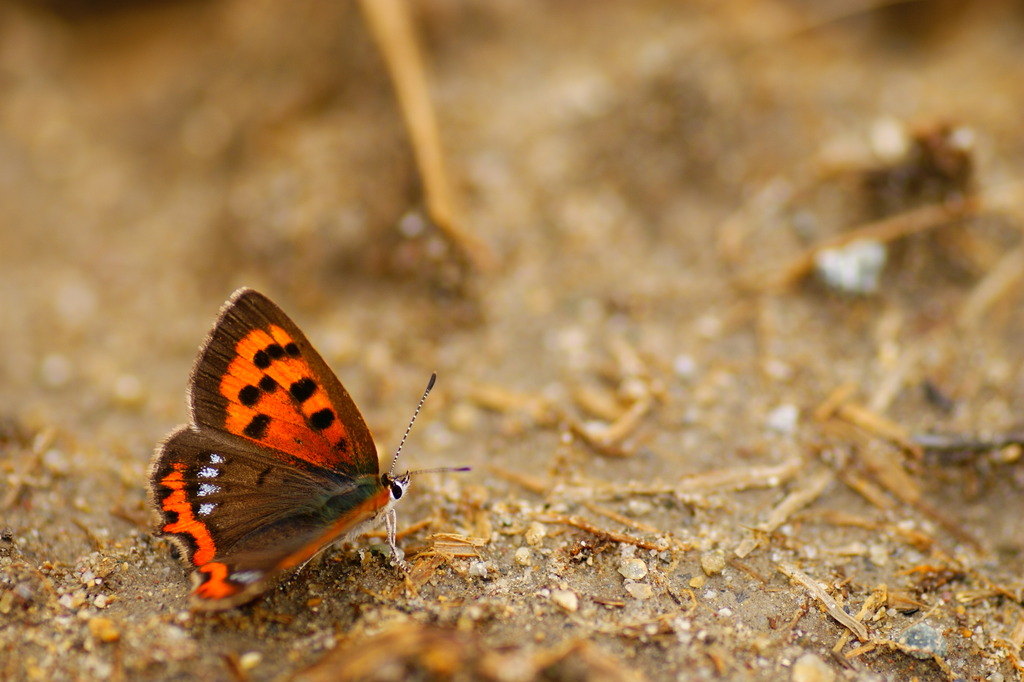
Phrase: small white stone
pixel 55 370
pixel 810 668
pixel 633 569
pixel 523 556
pixel 855 268
pixel 535 533
pixel 250 660
pixel 639 590
pixel 878 555
pixel 713 562
pixel 128 390
pixel 567 599
pixel 684 366
pixel 889 139
pixel 640 507
pixel 783 419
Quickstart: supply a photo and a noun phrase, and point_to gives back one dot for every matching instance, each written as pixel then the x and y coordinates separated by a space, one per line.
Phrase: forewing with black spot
pixel 259 378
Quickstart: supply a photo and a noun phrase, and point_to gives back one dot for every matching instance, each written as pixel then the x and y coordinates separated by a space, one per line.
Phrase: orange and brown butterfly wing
pixel 241 514
pixel 259 378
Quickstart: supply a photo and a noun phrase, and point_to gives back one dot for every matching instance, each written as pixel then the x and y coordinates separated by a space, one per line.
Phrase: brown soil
pixel 689 454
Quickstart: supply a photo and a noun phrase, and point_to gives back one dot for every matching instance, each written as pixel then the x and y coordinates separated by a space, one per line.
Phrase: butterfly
pixel 276 463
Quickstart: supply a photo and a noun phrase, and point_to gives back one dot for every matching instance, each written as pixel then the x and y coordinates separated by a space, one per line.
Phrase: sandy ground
pixel 692 459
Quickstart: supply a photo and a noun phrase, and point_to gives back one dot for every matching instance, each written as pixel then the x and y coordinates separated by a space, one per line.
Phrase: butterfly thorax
pixel 365 500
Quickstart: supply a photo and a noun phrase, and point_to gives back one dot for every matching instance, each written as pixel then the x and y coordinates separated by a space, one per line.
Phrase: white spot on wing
pixel 207 489
pixel 206 508
pixel 208 472
pixel 215 458
pixel 247 577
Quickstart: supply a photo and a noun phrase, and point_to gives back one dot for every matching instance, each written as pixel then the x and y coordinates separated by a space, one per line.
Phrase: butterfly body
pixel 275 465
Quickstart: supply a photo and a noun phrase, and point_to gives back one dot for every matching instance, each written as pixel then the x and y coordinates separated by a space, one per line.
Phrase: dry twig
pixel 392 27
pixel 998 283
pixel 584 525
pixel 831 607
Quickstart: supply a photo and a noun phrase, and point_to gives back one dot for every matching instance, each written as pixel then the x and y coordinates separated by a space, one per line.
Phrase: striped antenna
pixel 438 470
pixel 430 385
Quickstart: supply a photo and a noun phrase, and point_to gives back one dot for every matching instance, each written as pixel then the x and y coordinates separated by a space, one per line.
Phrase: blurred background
pixel 665 239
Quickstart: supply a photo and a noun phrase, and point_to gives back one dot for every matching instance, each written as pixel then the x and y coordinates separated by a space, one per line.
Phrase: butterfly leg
pixel 391 526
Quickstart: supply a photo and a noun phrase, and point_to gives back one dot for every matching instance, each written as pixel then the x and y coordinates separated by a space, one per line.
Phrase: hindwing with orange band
pixel 240 516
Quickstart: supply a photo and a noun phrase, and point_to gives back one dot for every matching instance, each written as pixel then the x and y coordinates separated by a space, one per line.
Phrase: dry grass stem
pixel 831 607
pixel 392 27
pixel 866 489
pixel 878 425
pixel 607 439
pixel 739 478
pixel 531 483
pixel 497 398
pixel 810 490
pixel 624 520
pixel 584 525
pixel 885 230
pixel 998 283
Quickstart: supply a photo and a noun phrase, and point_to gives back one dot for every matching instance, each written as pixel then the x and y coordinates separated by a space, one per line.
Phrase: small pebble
pixel 567 599
pixel 535 533
pixel 101 601
pixel 478 569
pixel 639 590
pixel 6 602
pixel 888 138
pixel 810 668
pixel 523 556
pixel 853 269
pixel 249 660
pixel 633 569
pixel 55 370
pixel 104 629
pixel 783 419
pixel 684 366
pixel 128 391
pixel 57 461
pixel 878 555
pixel 923 641
pixel 713 562
pixel 72 600
pixel 640 507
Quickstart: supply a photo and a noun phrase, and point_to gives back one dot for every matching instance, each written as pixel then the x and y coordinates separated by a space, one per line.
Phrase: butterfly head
pixel 396 484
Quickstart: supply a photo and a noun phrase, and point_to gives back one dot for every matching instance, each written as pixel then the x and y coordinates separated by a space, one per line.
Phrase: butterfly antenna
pixel 430 385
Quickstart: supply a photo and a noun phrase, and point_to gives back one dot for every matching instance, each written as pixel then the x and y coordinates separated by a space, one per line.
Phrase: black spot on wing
pixel 303 389
pixel 257 427
pixel 267 385
pixel 321 419
pixel 261 359
pixel 249 396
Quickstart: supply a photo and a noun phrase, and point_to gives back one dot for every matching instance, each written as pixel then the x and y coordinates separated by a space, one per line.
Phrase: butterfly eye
pixel 397 489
